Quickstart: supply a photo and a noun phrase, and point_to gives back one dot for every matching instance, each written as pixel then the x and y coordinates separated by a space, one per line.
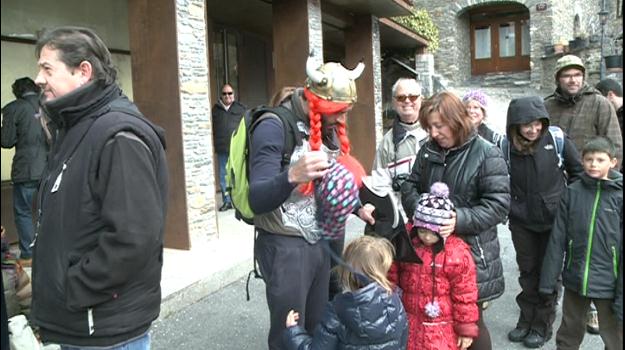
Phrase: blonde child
pixel 368 311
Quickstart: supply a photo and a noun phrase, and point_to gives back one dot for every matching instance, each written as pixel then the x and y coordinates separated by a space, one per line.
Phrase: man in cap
pixel 579 109
pixel 582 112
pixel 291 258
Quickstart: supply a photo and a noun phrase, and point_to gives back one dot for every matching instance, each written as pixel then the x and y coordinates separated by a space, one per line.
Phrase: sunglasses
pixel 227 93
pixel 403 98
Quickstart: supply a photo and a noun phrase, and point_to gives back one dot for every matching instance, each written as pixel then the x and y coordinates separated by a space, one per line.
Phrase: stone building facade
pixel 548 22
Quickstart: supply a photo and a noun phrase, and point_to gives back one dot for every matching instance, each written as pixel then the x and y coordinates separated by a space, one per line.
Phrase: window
pixel 525 38
pixel 225 59
pixel 506 40
pixel 482 42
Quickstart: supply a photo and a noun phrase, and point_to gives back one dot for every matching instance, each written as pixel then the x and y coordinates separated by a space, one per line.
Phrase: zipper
pixel 570 255
pixel 90 320
pixel 591 234
pixel 479 246
pixel 614 262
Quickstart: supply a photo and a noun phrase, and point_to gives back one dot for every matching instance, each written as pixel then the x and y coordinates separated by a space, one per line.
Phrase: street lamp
pixel 603 19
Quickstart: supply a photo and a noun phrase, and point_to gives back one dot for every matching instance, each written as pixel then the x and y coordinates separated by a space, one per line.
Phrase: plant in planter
pixel 559 46
pixel 614 61
pixel 580 42
pixel 421 23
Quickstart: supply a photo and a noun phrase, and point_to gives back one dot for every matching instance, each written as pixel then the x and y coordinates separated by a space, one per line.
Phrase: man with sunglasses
pixel 396 153
pixel 227 115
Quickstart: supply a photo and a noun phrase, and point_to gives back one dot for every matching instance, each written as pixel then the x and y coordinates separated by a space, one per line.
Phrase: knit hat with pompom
pixel 434 208
pixel 336 196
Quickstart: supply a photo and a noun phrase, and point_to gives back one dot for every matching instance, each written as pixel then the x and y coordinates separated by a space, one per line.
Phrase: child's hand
pixel 366 213
pixel 291 319
pixel 464 342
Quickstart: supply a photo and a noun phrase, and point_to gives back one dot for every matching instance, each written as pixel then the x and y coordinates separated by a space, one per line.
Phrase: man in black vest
pixel 98 250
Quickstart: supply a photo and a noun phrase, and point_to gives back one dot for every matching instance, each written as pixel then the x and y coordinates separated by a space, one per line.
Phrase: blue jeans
pixel 23 194
pixel 223 159
pixel 141 343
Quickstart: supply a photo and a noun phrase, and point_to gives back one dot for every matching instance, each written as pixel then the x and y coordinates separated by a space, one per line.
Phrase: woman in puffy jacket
pixel 477 176
pixel 367 315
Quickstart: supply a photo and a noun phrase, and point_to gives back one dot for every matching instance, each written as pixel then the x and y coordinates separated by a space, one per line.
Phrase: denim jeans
pixel 223 159
pixel 141 343
pixel 23 194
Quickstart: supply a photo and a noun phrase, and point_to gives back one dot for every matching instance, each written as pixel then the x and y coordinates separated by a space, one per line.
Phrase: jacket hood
pixel 525 110
pixel 236 106
pixel 369 312
pixel 615 181
pixel 572 99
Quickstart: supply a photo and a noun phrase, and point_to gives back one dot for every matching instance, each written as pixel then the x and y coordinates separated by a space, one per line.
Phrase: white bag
pixel 21 336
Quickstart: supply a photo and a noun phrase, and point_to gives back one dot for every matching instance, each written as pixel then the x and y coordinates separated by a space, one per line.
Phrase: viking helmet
pixel 333 82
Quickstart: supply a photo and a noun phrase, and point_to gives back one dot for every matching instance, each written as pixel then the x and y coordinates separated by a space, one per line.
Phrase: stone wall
pixel 548 26
pixel 196 120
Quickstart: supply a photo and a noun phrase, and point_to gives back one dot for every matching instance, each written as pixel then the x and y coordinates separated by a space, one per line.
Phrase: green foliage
pixel 421 23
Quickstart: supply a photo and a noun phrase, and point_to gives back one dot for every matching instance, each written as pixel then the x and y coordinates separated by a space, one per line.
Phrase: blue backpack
pixel 558 140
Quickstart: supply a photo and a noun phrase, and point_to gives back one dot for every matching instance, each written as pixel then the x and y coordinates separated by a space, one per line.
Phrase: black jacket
pixel 368 318
pixel 22 130
pixel 477 176
pixel 587 238
pixel 99 243
pixel 536 181
pixel 224 124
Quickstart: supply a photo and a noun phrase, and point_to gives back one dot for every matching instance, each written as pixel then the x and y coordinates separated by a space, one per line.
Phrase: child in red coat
pixel 440 294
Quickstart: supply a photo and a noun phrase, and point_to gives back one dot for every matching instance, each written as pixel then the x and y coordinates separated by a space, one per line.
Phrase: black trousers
pixel 538 311
pixel 297 276
pixel 573 327
pixel 337 246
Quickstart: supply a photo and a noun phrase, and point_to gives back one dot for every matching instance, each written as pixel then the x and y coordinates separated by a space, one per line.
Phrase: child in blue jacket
pixel 368 314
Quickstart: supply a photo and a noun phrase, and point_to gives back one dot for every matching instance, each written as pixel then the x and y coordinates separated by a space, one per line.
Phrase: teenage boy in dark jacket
pixel 536 183
pixel 587 238
pixel 102 204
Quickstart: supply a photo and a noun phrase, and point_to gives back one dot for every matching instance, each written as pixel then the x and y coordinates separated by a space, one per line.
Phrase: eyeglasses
pixel 403 98
pixel 572 76
pixel 227 93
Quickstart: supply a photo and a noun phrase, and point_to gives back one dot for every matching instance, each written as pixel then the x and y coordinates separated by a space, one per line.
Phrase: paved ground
pixel 225 320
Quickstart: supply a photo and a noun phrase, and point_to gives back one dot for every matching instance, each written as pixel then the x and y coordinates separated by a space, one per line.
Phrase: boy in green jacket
pixel 587 238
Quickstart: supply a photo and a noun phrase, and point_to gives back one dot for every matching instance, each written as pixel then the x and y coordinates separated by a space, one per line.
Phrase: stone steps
pixel 501 79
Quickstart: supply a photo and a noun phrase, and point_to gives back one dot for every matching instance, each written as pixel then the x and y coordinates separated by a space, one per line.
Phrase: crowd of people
pixel 422 282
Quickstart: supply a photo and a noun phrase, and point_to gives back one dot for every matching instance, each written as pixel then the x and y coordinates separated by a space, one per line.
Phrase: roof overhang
pixel 378 8
pixel 396 36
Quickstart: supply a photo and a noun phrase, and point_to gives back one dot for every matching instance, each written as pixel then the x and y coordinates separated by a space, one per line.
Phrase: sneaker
pixel 518 334
pixel 225 206
pixel 592 325
pixel 534 340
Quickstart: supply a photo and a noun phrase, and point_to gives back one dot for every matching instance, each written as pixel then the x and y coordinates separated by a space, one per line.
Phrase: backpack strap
pixel 292 135
pixel 558 141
